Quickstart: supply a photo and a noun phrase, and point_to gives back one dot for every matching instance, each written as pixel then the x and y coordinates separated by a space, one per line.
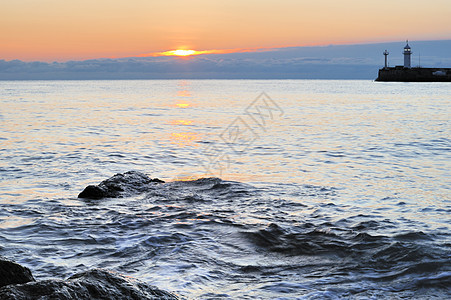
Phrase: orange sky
pixel 61 30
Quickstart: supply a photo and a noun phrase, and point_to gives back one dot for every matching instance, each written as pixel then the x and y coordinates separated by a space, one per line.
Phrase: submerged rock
pixel 120 185
pixel 93 284
pixel 13 273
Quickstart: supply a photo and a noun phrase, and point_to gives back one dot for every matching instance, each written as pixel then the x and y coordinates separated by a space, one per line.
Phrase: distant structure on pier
pixel 407 52
pixel 408 74
pixel 386 55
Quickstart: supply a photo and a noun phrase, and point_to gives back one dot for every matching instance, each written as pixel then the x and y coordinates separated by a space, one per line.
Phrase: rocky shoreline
pixel 17 282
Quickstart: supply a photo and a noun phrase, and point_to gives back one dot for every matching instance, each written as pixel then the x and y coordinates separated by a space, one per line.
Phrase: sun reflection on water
pixel 181 122
pixel 183 105
pixel 184 93
pixel 184 139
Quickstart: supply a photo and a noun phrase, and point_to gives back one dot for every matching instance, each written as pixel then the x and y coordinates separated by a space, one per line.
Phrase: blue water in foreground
pixel 315 189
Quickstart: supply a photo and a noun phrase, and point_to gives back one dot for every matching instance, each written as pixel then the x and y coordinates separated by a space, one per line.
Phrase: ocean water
pixel 284 189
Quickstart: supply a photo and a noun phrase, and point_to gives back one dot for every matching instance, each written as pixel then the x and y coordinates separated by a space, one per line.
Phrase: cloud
pixel 331 62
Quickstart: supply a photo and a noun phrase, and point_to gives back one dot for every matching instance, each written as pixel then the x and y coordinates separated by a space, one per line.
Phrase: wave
pixel 218 234
pixel 376 257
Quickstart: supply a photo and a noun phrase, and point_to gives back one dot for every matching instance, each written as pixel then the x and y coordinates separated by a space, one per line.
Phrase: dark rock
pixel 13 273
pixel 93 284
pixel 120 185
pixel 93 192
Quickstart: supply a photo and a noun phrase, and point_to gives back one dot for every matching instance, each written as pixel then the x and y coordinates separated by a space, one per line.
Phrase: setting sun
pixel 180 52
pixel 185 53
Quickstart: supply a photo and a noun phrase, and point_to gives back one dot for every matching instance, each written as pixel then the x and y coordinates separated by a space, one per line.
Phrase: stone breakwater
pixel 17 282
pixel 402 74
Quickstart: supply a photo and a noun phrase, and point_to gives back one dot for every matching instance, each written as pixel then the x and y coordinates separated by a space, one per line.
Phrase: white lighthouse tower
pixel 407 52
pixel 386 54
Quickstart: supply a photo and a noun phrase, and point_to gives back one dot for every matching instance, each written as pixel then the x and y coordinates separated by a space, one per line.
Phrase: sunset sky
pixel 49 30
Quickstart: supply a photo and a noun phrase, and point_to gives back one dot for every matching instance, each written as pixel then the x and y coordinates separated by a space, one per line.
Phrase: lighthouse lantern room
pixel 407 52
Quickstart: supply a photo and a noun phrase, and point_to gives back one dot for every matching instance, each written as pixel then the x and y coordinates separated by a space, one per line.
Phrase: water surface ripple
pixel 343 195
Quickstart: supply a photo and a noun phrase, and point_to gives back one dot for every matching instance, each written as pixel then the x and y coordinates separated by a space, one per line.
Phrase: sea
pixel 274 189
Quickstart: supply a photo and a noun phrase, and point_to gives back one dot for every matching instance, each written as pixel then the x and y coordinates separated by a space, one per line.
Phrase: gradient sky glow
pixel 50 30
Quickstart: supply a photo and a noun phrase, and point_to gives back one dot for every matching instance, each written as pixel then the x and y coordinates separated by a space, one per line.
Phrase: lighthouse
pixel 386 54
pixel 406 73
pixel 407 52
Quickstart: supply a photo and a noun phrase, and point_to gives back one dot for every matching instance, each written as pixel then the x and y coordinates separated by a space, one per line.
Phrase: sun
pixel 185 52
pixel 180 52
